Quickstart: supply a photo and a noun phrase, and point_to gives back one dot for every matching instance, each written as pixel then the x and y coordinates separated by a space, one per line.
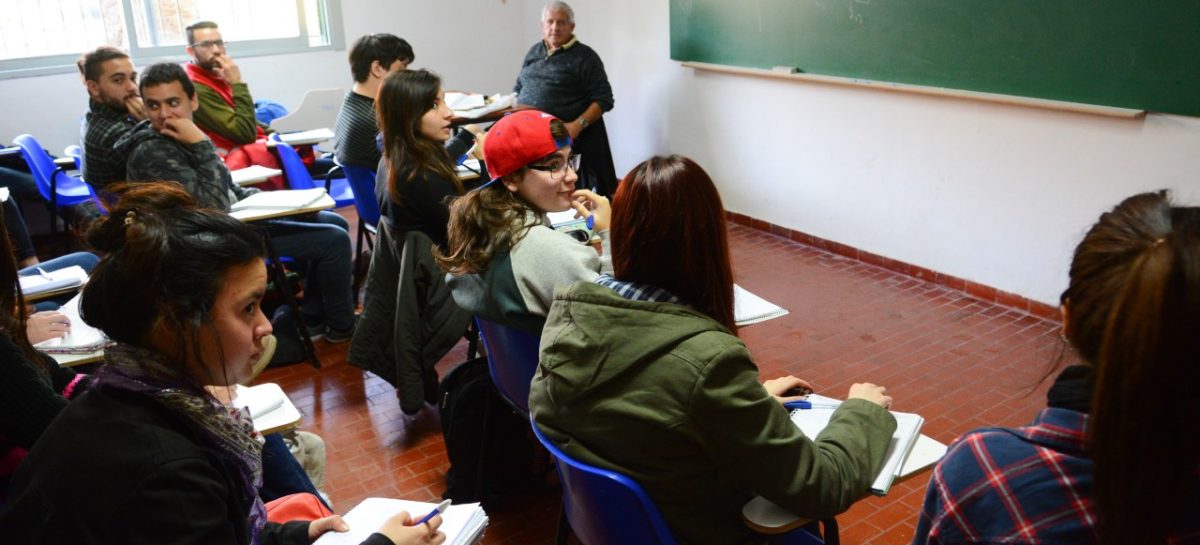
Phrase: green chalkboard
pixel 1125 53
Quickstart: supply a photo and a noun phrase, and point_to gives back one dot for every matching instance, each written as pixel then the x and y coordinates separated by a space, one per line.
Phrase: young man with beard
pixel 114 107
pixel 226 112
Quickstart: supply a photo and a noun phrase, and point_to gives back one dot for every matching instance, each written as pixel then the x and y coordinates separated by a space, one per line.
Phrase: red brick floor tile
pixel 959 361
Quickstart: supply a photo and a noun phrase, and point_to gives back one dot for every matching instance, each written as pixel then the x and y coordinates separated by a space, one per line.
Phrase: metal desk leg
pixel 289 298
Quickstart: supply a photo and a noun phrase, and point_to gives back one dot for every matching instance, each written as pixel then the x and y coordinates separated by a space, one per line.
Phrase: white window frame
pixel 142 56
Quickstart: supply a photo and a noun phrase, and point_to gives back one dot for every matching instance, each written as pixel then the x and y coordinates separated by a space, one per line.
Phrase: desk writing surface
pixel 71 360
pixel 304 138
pixel 258 214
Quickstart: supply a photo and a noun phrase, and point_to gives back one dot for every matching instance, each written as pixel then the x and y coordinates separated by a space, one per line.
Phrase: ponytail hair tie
pixel 129 217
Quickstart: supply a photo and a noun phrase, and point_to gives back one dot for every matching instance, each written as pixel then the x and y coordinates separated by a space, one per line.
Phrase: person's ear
pixel 512 181
pixel 378 70
pixel 93 88
pixel 195 103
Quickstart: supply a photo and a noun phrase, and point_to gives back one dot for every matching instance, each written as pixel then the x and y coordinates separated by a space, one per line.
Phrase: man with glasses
pixel 226 112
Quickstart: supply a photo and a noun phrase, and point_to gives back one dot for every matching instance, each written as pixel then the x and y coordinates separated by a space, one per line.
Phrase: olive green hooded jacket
pixel 667 396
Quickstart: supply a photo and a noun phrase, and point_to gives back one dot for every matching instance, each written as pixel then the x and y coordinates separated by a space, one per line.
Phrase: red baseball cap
pixel 518 139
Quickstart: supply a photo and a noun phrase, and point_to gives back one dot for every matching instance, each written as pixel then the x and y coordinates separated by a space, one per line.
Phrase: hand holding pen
pixel 402 530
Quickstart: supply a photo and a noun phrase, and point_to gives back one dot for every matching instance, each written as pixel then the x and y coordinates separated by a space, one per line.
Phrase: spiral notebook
pixel 462 524
pixel 908 429
pixel 752 309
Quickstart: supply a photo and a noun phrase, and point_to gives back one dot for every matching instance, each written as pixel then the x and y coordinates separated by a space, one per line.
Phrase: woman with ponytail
pixel 147 454
pixel 1115 456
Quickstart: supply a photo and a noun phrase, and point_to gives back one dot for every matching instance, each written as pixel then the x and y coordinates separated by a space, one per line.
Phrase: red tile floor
pixel 959 362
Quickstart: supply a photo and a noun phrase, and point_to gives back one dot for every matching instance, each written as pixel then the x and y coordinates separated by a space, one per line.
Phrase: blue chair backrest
pixel 605 507
pixel 71 190
pixel 40 163
pixel 362 183
pixel 293 166
pixel 512 360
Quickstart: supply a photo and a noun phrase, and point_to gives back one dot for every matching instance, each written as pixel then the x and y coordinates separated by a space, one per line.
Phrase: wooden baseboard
pixel 974 289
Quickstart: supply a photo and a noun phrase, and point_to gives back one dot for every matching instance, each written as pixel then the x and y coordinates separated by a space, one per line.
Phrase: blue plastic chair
pixel 512 360
pixel 56 186
pixel 604 507
pixel 298 177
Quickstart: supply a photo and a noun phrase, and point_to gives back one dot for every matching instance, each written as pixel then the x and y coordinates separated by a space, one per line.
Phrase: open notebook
pixel 83 338
pixel 462 524
pixel 908 428
pixel 53 281
pixel 283 199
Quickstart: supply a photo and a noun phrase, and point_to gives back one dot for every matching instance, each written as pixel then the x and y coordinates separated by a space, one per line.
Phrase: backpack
pixel 467 397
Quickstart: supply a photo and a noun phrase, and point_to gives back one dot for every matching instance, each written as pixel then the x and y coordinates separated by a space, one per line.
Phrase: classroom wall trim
pixel 976 290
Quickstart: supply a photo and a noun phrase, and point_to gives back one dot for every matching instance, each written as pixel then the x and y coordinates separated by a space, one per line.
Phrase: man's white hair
pixel 559 6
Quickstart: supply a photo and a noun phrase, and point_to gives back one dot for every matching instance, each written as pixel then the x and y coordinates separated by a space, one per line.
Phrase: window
pixel 47 36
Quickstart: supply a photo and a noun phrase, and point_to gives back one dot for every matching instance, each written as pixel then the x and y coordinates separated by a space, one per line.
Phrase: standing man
pixel 226 112
pixel 114 107
pixel 566 78
pixel 372 58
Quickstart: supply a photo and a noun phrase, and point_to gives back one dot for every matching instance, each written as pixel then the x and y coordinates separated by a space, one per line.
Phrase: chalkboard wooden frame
pixel 1093 109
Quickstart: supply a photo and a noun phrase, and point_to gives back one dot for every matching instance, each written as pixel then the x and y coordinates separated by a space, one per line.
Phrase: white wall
pixel 994 194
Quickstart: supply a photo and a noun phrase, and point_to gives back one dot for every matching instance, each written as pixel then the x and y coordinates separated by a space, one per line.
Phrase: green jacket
pixel 667 396
pixel 236 123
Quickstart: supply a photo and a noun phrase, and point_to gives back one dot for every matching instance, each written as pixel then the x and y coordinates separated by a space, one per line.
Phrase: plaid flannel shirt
pixel 1019 486
pixel 101 129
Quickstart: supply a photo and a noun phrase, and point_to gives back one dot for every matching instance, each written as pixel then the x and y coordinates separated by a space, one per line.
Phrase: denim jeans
pixel 322 244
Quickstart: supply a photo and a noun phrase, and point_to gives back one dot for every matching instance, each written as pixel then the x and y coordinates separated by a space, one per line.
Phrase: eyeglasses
pixel 209 44
pixel 558 170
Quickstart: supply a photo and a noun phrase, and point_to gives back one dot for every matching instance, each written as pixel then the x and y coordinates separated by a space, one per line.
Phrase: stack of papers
pixel 283 199
pixel 53 281
pixel 83 338
pixel 462 524
pixel 498 102
pixel 908 428
pixel 751 309
pixel 464 101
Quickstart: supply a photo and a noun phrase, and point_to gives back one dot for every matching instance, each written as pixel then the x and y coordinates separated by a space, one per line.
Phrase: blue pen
pixel 591 222
pixel 441 508
pixel 797 405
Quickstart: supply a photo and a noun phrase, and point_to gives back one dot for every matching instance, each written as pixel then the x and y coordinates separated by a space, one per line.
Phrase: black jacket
pixel 115 467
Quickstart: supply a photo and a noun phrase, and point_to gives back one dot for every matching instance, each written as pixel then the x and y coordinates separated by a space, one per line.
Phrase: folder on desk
pixel 908 429
pixel 283 199
pixel 462 524
pixel 60 280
